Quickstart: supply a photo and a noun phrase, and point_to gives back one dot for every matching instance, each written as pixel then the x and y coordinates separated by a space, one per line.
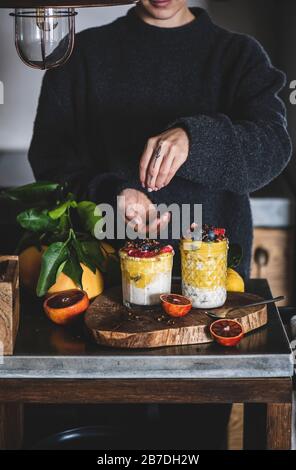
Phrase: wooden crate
pixel 9 302
pixel 273 259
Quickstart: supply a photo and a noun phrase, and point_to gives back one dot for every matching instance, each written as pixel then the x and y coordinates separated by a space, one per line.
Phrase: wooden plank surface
pixel 11 426
pixel 279 422
pixel 273 259
pixel 112 324
pixel 146 390
pixel 235 427
pixel 9 302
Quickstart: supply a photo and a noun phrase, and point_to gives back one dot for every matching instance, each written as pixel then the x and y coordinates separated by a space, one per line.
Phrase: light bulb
pixel 44 21
pixel 44 37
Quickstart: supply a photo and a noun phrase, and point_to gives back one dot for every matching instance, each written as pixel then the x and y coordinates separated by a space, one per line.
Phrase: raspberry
pixel 219 231
pixel 166 249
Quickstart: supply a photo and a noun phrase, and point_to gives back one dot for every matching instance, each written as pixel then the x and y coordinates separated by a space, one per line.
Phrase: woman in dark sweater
pixel 163 67
pixel 165 74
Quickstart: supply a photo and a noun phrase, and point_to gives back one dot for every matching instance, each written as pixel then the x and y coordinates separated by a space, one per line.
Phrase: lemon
pixel 234 282
pixel 30 265
pixel 92 283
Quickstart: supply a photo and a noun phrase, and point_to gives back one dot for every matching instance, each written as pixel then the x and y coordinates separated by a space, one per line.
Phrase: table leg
pixel 11 426
pixel 278 426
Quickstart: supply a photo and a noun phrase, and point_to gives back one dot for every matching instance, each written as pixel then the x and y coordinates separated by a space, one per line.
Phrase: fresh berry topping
pixel 209 233
pixel 146 248
pixel 219 231
pixel 166 249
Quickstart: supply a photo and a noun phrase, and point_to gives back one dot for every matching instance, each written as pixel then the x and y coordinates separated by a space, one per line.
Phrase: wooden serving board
pixel 112 324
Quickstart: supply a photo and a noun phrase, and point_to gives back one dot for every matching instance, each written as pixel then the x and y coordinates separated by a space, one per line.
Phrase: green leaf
pixel 73 269
pixel 61 233
pixel 71 199
pixel 92 250
pixel 83 257
pixel 86 211
pixel 59 210
pixel 32 193
pixel 36 220
pixel 235 254
pixel 60 269
pixel 54 256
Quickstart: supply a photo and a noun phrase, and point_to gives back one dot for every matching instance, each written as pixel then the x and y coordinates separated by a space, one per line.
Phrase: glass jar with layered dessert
pixel 146 267
pixel 204 268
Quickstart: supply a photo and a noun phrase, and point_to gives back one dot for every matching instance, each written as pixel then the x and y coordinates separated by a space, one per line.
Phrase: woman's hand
pixel 162 158
pixel 139 212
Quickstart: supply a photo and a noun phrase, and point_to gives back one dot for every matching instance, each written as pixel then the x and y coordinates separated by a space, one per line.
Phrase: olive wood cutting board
pixel 112 324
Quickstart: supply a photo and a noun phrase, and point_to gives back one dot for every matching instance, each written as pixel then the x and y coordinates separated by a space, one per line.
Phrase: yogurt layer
pixel 148 295
pixel 146 274
pixel 204 298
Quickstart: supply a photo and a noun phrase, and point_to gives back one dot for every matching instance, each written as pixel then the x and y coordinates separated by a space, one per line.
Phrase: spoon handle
pixel 254 304
pixel 261 302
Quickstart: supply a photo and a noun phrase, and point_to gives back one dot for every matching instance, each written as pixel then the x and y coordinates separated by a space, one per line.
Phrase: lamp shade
pixel 44 37
pixel 45 29
pixel 61 3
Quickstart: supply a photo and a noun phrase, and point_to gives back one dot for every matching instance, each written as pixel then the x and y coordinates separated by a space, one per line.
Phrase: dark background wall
pixel 272 22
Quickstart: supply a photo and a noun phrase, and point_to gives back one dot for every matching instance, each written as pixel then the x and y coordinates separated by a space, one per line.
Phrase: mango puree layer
pixel 142 271
pixel 204 264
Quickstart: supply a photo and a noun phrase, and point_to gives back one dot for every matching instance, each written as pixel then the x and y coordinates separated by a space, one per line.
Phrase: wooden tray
pixel 9 303
pixel 112 324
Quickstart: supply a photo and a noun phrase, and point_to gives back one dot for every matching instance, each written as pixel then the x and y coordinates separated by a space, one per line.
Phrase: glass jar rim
pixel 199 245
pixel 123 255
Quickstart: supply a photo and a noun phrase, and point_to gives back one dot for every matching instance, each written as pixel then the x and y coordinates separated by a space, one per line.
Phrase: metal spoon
pixel 254 304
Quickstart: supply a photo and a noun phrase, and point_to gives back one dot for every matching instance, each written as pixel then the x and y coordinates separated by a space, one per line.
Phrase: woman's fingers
pixel 158 224
pixel 164 171
pixel 172 171
pixel 136 216
pixel 157 158
pixel 141 215
pixel 145 159
pixel 130 212
pixel 151 226
pixel 136 225
pixel 162 158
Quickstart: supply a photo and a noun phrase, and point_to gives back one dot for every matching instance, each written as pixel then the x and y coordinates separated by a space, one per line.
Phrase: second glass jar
pixel 204 272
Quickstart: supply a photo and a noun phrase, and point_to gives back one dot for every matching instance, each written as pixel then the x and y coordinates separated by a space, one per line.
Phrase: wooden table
pixel 56 365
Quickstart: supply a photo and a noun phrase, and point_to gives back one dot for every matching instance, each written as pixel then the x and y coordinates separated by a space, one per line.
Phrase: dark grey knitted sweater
pixel 128 81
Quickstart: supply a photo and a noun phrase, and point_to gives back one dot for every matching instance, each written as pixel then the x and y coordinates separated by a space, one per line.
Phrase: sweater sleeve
pixel 59 147
pixel 244 149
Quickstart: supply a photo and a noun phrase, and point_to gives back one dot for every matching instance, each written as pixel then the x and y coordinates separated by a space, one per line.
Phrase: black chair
pixel 90 438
